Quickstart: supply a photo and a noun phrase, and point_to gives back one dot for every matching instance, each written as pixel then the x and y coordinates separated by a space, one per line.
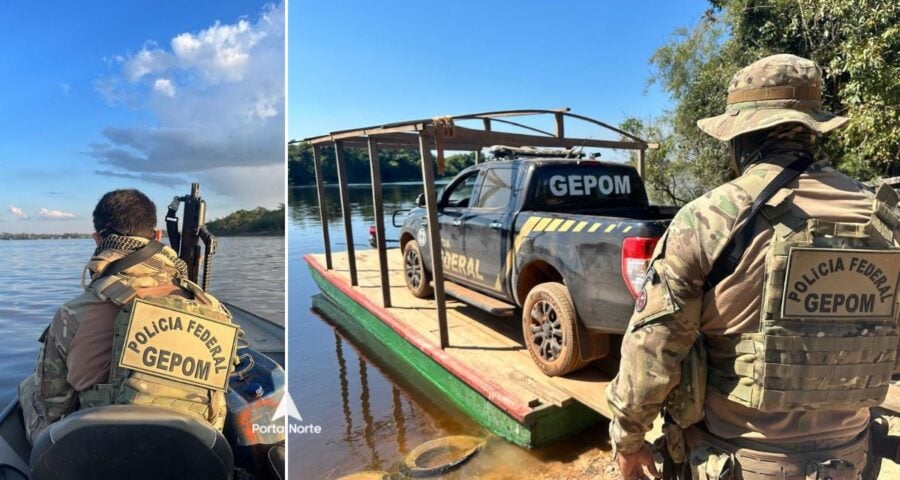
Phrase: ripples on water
pixel 39 275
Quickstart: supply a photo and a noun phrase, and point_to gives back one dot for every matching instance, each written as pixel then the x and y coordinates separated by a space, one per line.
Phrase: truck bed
pixel 586 250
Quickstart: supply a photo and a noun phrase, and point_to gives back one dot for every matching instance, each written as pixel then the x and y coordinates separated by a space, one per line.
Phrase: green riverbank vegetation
pixel 259 221
pixel 857 44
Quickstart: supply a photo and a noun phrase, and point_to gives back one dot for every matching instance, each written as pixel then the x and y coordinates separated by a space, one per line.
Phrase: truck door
pixel 487 226
pixel 452 206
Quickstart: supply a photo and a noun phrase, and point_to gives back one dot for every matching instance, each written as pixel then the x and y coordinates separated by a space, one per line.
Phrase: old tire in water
pixel 549 326
pixel 418 278
pixel 439 456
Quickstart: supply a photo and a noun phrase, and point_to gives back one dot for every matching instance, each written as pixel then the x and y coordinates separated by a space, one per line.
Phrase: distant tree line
pixel 396 165
pixel 41 236
pixel 259 221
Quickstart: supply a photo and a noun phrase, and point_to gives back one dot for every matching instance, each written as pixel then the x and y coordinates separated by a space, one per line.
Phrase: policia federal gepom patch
pixel 178 345
pixel 840 284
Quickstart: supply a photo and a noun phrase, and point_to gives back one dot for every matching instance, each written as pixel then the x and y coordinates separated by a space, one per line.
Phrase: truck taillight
pixel 636 255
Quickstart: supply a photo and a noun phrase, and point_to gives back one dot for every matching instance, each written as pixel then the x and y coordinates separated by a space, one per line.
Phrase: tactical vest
pixel 828 328
pixel 181 316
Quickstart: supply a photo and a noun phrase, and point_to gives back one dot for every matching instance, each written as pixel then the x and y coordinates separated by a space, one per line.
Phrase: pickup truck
pixel 566 242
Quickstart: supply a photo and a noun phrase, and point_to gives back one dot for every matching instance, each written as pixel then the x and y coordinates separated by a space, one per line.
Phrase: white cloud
pixel 54 214
pixel 150 59
pixel 221 52
pixel 230 111
pixel 266 107
pixel 17 212
pixel 164 86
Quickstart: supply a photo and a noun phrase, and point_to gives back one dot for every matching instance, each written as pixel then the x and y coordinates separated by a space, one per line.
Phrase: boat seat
pixel 133 442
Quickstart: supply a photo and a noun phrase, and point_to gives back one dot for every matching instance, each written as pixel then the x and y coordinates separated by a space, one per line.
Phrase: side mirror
pixel 420 200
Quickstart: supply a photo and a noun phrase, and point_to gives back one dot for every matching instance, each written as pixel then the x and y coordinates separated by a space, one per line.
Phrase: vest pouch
pixel 832 469
pixel 685 402
pixel 709 463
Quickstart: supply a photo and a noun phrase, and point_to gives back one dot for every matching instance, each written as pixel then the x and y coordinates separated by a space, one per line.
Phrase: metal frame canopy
pixel 440 134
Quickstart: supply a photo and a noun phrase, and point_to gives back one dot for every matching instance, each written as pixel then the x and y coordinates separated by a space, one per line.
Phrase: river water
pixel 39 275
pixel 371 414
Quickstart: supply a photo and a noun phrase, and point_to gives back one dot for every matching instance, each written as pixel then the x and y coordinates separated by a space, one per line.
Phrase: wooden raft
pixel 485 351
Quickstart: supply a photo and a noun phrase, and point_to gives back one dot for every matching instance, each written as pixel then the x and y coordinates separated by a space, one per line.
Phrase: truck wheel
pixel 549 325
pixel 418 279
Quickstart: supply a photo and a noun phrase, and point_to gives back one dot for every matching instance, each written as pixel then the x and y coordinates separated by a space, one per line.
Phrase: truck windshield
pixel 586 186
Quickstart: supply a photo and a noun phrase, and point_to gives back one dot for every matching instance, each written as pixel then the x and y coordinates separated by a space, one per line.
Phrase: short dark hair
pixel 125 212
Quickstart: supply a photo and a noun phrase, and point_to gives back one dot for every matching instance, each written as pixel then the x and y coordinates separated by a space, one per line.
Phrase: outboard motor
pixel 131 441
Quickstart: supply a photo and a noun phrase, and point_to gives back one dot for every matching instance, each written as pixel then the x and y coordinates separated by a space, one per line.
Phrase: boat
pixel 152 443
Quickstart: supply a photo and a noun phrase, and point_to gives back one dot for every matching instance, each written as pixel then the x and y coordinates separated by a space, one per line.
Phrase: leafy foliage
pixel 259 221
pixel 856 42
pixel 396 165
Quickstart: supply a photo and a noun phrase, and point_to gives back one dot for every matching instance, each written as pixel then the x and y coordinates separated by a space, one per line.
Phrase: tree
pixel 857 42
pixel 670 179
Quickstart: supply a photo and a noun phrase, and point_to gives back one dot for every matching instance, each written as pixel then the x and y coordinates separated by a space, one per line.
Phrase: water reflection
pixel 345 387
pixel 369 422
pixel 399 420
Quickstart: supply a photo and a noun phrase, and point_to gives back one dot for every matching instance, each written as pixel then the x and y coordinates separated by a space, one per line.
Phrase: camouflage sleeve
pixel 666 318
pixel 53 397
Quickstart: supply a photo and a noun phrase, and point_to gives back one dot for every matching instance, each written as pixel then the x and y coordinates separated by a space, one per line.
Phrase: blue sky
pixel 360 63
pixel 153 95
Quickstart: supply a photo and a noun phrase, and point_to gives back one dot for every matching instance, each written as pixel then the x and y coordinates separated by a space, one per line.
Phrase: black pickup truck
pixel 566 240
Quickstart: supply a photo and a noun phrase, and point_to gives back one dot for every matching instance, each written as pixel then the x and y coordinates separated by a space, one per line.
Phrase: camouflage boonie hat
pixel 777 89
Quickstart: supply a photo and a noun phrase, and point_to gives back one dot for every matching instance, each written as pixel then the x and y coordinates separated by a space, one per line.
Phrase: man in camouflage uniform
pixel 77 349
pixel 772 119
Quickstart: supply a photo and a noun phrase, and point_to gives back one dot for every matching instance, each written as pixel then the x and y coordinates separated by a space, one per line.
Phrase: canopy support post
pixel 640 162
pixel 323 209
pixel 345 209
pixel 378 207
pixel 434 238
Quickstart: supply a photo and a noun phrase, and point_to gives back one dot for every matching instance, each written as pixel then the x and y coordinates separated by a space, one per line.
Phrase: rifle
pixel 193 233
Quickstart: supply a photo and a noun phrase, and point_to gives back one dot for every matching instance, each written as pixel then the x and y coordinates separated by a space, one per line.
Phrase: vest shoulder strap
pixel 112 289
pixel 131 259
pixel 727 262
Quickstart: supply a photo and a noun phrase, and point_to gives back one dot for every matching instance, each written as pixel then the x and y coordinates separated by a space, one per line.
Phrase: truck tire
pixel 549 325
pixel 417 277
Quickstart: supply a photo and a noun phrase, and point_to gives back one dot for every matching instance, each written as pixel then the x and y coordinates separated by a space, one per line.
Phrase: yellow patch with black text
pixel 178 345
